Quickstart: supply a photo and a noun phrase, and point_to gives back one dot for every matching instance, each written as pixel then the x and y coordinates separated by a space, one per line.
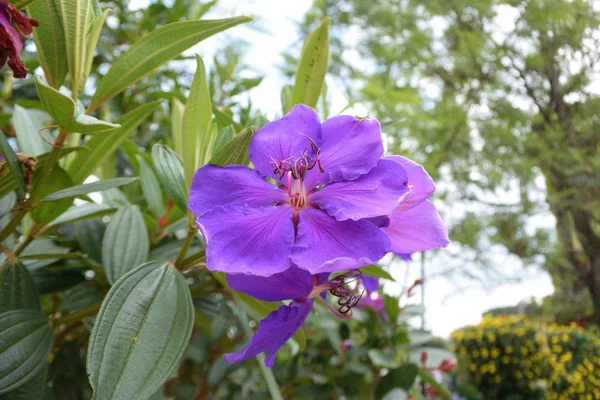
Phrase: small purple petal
pixel 406 257
pixel 214 186
pixel 419 181
pixel 326 245
pixel 293 283
pixel 248 240
pixel 273 332
pixel 284 139
pixel 418 229
pixel 370 195
pixel 370 283
pixel 350 147
pixel 381 222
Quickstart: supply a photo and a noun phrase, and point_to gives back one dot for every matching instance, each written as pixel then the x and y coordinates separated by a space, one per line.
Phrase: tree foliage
pixel 500 98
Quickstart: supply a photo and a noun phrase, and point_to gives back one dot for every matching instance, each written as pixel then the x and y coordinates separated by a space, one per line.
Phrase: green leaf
pixel 7 202
pixel 82 295
pixel 92 42
pixel 155 49
pixel 75 15
pixel 8 181
pixel 225 136
pixel 125 244
pixel 28 124
pixel 57 180
pixel 392 308
pixel 12 161
pixel 34 389
pixel 312 66
pixel 141 333
pixel 150 188
pixel 236 151
pixel 177 110
pixel 86 188
pixel 377 271
pixel 102 146
pixel 50 41
pixel 402 377
pixel 25 342
pixel 88 125
pixel 169 168
pixel 287 98
pixel 84 211
pixel 39 247
pixel 198 138
pixel 61 107
pixel 17 290
pixel 89 234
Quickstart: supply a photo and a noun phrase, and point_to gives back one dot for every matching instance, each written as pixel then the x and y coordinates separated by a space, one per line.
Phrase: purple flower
pixel 11 41
pixel 302 288
pixel 326 211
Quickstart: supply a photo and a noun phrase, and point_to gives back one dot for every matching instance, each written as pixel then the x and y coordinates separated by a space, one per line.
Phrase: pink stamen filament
pixel 333 310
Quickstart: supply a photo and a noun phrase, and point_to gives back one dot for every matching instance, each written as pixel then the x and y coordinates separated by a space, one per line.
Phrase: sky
pixel 449 304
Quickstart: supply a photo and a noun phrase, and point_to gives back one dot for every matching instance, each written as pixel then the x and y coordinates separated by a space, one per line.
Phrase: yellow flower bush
pixel 516 357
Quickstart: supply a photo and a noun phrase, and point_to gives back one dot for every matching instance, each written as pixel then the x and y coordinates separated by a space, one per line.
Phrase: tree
pixel 498 98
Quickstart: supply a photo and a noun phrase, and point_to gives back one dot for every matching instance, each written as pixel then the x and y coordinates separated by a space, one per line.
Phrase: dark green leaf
pixel 102 146
pixel 236 151
pixel 84 211
pixel 61 107
pixel 17 290
pixel 141 333
pixel 25 341
pixel 150 188
pixel 312 66
pixel 49 40
pixel 8 182
pixel 392 308
pixel 125 245
pixel 86 188
pixel 89 234
pixel 28 124
pixel 155 49
pixel 46 212
pixel 198 138
pixel 169 168
pixel 12 161
pixel 377 271
pixel 402 377
pixel 88 125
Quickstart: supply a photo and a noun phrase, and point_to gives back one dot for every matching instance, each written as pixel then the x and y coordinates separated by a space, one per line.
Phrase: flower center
pixel 296 191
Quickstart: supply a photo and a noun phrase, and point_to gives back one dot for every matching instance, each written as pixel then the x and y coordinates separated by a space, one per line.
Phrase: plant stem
pixel 193 260
pixel 76 316
pixel 192 229
pixel 44 173
pixel 270 380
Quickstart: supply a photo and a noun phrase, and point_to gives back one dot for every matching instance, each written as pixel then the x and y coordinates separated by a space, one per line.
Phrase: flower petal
pixel 273 332
pixel 214 186
pixel 350 147
pixel 419 181
pixel 284 139
pixel 326 245
pixel 248 240
pixel 293 283
pixel 418 229
pixel 370 195
pixel 370 283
